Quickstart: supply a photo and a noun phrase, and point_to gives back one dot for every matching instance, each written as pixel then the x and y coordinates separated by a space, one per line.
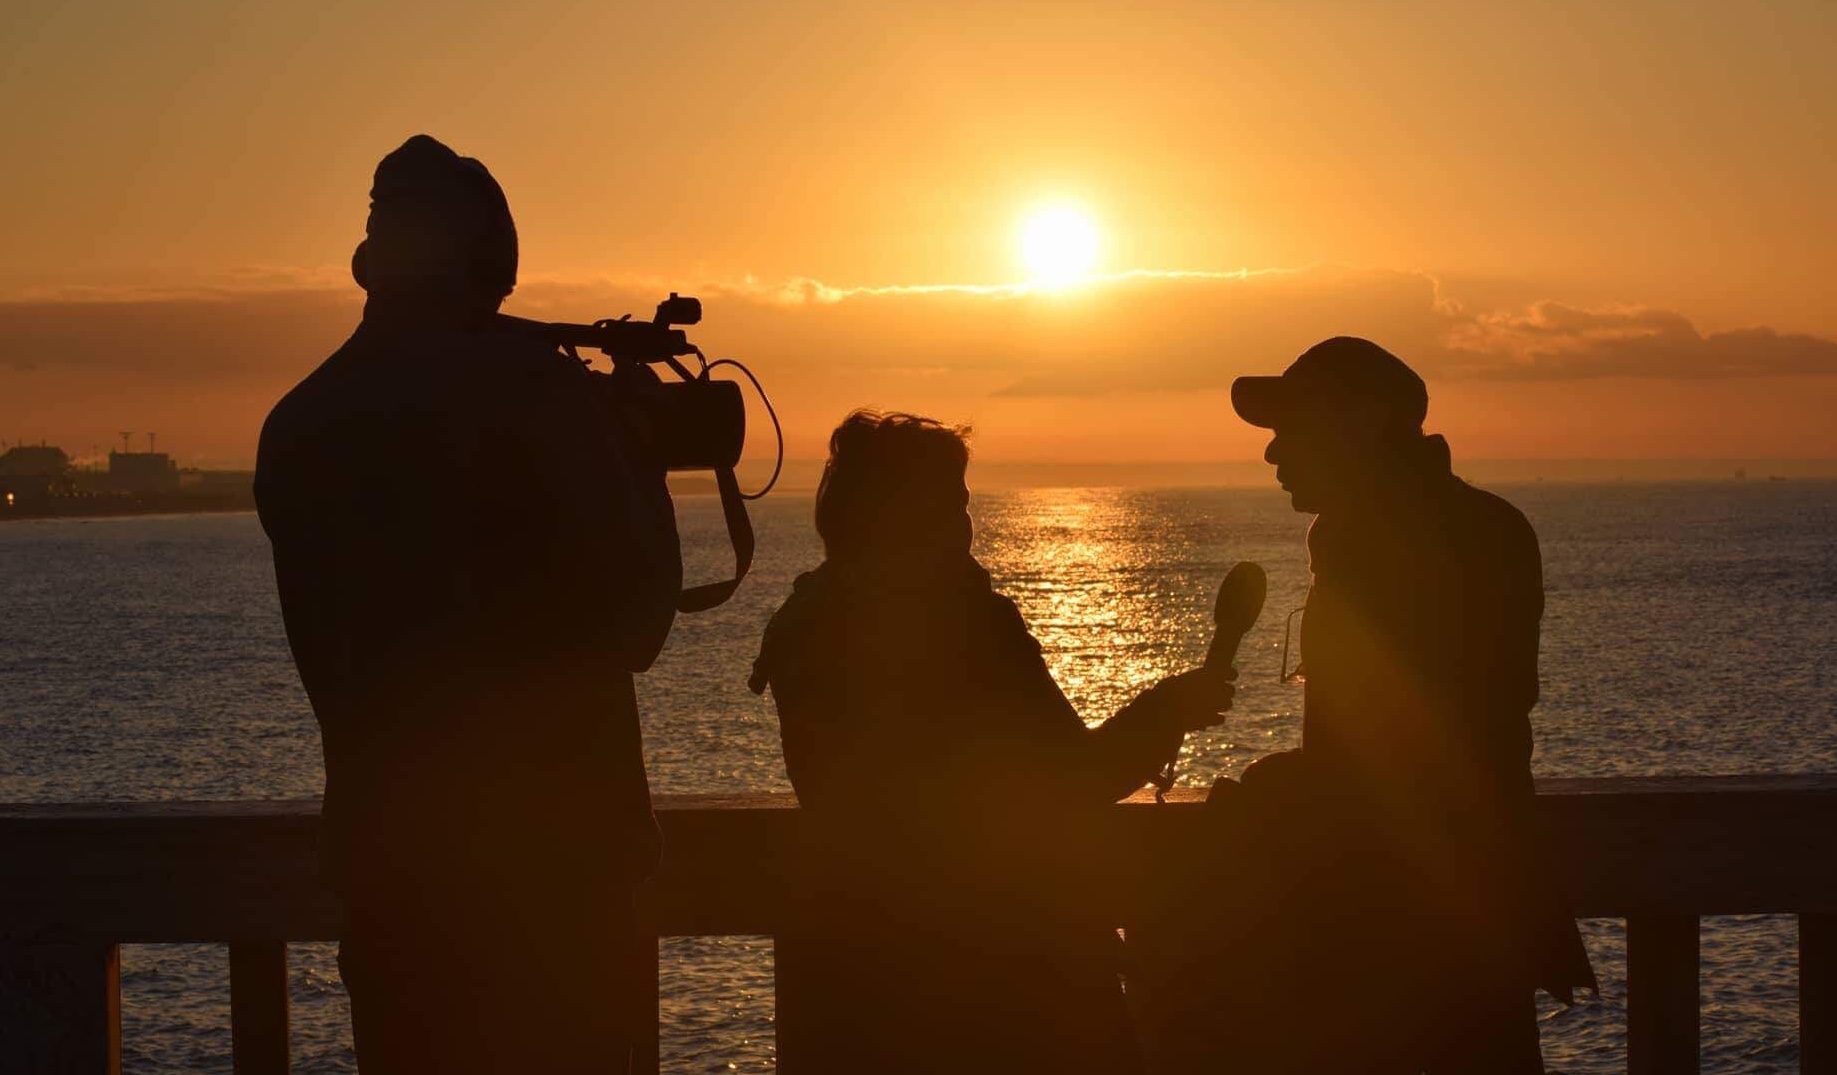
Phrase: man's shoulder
pixel 385 369
pixel 505 375
pixel 1490 520
pixel 306 404
pixel 1489 508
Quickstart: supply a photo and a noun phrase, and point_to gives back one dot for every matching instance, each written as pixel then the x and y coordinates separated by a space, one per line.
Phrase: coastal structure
pixel 33 472
pixel 42 481
pixel 151 471
pixel 142 472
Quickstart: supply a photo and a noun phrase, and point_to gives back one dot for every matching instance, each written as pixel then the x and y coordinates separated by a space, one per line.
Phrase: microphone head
pixel 1240 599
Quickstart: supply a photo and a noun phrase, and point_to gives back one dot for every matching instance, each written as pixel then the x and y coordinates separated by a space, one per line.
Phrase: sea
pixel 1687 632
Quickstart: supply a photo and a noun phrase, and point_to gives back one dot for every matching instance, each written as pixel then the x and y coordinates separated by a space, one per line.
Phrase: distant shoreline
pixel 122 507
pixel 116 508
pixel 803 475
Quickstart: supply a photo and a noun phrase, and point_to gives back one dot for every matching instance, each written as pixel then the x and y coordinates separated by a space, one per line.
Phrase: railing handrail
pixel 218 871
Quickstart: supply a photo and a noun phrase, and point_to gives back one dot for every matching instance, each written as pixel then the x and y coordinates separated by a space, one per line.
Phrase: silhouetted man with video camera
pixel 473 559
pixel 1426 920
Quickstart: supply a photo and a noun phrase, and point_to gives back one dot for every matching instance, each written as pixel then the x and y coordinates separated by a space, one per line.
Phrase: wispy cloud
pixel 1553 341
pixel 1120 348
pixel 1145 329
pixel 804 289
pixel 239 283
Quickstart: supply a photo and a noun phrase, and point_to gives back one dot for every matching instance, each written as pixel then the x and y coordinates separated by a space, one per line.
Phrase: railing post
pixel 258 1007
pixel 1818 994
pixel 647 1053
pixel 792 1022
pixel 1663 995
pixel 60 1008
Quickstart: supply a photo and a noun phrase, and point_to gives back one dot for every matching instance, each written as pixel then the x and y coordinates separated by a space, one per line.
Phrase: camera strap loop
pixel 740 532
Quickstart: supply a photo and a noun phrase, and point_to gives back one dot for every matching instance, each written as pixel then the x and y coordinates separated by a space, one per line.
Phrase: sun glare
pixel 1059 245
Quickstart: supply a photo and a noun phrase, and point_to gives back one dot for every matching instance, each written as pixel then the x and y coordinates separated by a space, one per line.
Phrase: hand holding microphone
pixel 1202 695
pixel 1206 691
pixel 1199 697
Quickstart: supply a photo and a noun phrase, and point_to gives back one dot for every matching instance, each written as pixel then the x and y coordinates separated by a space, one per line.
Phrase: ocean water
pixel 1686 632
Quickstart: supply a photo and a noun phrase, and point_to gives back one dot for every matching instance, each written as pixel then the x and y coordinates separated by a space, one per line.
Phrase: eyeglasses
pixel 1300 674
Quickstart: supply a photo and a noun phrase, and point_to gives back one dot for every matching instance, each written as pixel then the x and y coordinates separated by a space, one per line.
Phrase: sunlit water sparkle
pixel 1687 625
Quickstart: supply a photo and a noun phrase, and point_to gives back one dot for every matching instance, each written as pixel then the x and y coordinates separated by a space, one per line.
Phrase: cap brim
pixel 1261 401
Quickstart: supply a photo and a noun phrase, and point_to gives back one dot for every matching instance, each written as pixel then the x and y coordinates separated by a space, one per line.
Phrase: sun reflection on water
pixel 1118 584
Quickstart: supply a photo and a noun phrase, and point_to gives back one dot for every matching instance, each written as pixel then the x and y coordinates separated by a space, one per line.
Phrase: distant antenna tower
pixel 125 446
pixel 150 442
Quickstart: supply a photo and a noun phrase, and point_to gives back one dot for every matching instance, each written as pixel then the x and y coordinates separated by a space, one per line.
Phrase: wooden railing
pixel 76 881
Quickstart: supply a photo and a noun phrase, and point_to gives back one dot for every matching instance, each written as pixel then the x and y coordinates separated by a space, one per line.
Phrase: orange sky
pixel 1599 230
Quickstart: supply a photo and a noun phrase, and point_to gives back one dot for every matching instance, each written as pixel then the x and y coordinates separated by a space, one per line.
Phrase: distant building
pixel 142 472
pixel 220 486
pixel 31 472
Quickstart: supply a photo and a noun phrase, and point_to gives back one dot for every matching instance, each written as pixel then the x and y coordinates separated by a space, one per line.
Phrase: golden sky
pixel 1600 230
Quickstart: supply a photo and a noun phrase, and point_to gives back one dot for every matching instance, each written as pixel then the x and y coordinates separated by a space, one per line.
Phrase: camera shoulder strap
pixel 740 532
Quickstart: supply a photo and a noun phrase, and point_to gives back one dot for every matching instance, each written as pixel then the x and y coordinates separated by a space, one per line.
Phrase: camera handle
pixel 771 412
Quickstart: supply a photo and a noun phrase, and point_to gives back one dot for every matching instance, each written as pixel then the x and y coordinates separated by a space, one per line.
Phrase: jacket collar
pixel 1420 473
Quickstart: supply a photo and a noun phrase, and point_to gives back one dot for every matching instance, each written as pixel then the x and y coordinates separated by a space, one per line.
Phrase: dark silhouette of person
pixel 473 560
pixel 960 926
pixel 1430 921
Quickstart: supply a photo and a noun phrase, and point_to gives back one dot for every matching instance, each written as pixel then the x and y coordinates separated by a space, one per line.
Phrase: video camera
pixel 693 423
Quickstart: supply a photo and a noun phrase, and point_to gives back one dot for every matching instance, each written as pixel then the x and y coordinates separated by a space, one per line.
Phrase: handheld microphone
pixel 1240 602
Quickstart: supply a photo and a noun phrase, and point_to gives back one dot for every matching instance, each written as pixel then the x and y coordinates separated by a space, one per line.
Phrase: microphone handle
pixel 1223 653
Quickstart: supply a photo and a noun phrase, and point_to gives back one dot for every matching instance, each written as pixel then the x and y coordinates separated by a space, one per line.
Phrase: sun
pixel 1058 244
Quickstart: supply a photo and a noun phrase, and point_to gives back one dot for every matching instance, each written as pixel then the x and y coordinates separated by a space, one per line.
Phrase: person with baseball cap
pixel 1431 921
pixel 472 561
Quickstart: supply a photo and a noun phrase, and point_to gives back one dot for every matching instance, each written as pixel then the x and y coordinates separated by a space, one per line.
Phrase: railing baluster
pixel 1663 994
pixel 60 1008
pixel 258 1007
pixel 1818 994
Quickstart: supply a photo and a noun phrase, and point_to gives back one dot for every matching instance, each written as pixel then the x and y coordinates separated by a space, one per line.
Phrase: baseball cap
pixel 1344 375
